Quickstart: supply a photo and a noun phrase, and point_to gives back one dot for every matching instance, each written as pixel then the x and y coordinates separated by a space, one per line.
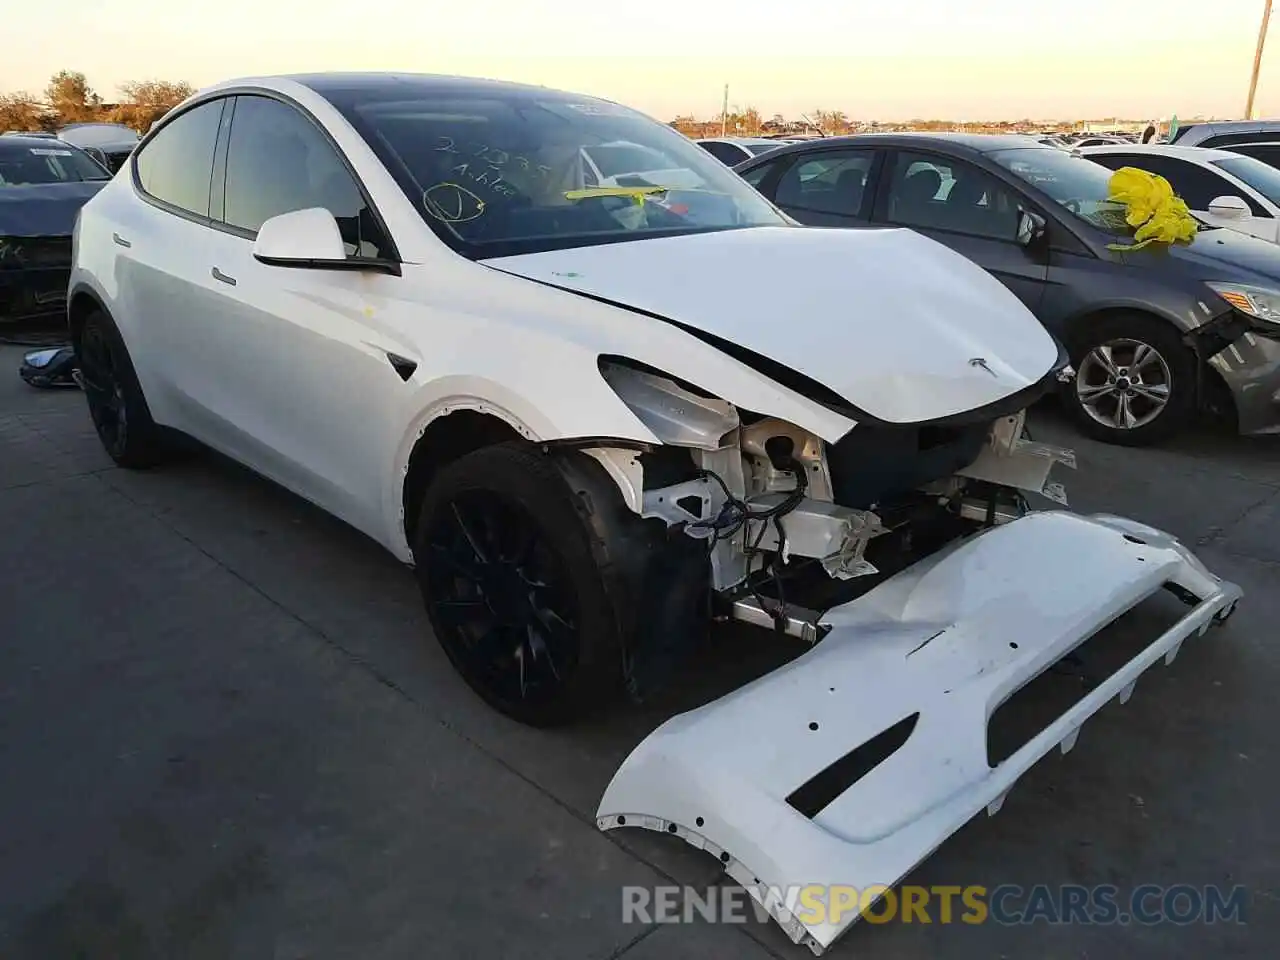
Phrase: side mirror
pixel 1030 227
pixel 302 238
pixel 1230 208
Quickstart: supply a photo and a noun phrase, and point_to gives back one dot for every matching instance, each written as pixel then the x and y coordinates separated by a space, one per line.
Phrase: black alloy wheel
pixel 117 407
pixel 519 570
pixel 100 379
pixel 503 597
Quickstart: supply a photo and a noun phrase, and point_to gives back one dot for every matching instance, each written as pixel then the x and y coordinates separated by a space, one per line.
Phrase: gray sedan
pixel 1155 334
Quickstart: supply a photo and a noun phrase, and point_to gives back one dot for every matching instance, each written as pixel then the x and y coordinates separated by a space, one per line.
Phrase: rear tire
pixel 119 411
pixel 509 564
pixel 1135 382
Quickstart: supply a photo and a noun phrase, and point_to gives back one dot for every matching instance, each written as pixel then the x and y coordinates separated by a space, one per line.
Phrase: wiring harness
pixel 736 514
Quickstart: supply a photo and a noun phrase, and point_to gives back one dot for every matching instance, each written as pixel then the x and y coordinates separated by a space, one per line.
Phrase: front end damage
pixel 931 594
pixel 34 272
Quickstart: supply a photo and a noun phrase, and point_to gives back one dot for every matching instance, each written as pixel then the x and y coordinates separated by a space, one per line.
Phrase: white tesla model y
pixel 593 415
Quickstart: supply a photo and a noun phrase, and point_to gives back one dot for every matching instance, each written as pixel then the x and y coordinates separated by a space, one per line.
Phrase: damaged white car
pixel 595 416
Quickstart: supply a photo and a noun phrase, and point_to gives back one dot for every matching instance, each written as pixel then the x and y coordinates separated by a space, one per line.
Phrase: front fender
pixel 588 410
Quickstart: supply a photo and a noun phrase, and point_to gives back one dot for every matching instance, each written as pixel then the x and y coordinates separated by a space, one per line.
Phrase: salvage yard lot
pixel 226 732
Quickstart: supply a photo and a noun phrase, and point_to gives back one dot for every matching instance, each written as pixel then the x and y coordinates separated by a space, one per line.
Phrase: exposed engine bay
pixel 930 594
pixel 793 525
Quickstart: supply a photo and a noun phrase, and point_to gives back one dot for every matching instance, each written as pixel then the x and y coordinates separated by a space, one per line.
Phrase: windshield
pixel 1077 184
pixel 499 173
pixel 47 162
pixel 615 159
pixel 755 149
pixel 1261 176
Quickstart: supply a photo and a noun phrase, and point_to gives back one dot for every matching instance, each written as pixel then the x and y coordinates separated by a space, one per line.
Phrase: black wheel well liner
pixel 445 440
pixel 82 303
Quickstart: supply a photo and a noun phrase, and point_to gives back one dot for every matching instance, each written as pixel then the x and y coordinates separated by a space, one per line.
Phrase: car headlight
pixel 1259 302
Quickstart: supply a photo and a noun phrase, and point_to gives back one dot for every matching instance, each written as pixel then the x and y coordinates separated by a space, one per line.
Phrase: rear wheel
pixel 116 404
pixel 1135 380
pixel 516 595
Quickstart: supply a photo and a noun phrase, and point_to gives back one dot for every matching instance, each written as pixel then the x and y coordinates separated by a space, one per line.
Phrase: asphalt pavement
pixel 225 731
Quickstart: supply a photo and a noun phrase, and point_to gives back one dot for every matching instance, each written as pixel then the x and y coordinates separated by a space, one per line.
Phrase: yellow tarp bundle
pixel 1150 206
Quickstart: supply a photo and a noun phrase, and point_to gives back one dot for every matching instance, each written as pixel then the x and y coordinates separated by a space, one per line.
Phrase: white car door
pixel 297 370
pixel 159 237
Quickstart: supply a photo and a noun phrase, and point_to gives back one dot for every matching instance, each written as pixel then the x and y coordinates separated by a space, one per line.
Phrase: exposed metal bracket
pixel 799 622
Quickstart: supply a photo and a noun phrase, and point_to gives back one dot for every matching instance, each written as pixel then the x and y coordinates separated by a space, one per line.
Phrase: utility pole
pixel 1257 60
pixel 724 113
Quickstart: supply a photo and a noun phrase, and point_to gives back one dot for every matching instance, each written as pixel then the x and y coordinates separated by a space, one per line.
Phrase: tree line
pixel 68 98
pixel 749 122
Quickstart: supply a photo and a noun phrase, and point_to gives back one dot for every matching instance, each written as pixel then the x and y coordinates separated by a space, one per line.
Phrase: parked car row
pixel 1155 334
pixel 735 150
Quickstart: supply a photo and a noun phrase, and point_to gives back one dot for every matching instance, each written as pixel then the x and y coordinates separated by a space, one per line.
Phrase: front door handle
pixel 219 275
pixel 120 241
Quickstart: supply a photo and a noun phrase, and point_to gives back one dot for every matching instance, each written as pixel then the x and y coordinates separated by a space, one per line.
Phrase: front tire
pixel 119 411
pixel 508 564
pixel 1135 382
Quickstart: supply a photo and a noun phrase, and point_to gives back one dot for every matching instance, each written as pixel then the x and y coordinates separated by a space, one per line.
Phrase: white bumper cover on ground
pixel 930 653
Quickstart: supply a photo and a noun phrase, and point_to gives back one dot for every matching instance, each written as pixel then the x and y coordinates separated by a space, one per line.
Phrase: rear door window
pixel 176 165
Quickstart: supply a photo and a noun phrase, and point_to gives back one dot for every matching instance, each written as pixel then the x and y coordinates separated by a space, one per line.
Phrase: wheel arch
pixel 1215 388
pixel 445 438
pixel 83 301
pixel 1073 326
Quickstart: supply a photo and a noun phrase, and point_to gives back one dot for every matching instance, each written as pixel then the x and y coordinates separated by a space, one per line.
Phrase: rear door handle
pixel 219 275
pixel 120 241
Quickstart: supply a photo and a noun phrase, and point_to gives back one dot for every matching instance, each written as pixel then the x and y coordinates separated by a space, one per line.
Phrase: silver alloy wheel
pixel 1124 384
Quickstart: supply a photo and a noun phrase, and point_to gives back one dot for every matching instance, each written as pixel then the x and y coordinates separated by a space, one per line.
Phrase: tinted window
pixel 1268 153
pixel 1224 140
pixel 756 175
pixel 755 149
pixel 1194 184
pixel 726 152
pixel 1258 175
pixel 25 162
pixel 829 182
pixel 278 161
pixel 177 164
pixel 940 193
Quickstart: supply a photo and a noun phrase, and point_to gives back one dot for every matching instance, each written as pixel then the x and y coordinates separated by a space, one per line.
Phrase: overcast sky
pixel 874 59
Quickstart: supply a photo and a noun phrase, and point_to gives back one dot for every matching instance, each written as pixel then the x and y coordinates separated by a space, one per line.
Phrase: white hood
pixel 889 320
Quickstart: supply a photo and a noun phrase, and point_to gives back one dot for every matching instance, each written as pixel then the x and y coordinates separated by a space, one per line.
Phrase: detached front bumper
pixel 850 765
